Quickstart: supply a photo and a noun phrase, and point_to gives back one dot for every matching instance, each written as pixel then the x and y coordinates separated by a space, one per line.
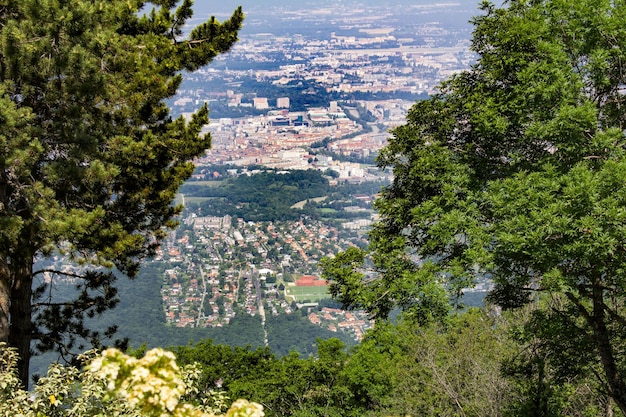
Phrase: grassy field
pixel 301 204
pixel 205 183
pixel 189 199
pixel 312 294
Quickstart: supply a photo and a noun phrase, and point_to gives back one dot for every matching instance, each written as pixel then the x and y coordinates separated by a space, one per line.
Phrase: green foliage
pixel 438 371
pixel 401 369
pixel 111 384
pixel 396 370
pixel 266 196
pixel 90 158
pixel 552 376
pixel 295 333
pixel 515 171
pixel 303 386
pixel 222 365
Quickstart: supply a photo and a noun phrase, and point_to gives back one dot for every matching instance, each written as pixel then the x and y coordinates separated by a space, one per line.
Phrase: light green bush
pixel 112 384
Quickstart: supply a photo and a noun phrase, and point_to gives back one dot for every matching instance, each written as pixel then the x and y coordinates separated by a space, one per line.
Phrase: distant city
pixel 310 86
pixel 301 75
pixel 307 87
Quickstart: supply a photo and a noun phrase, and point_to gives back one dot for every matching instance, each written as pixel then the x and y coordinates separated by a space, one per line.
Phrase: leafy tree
pixel 297 386
pixel 551 382
pixel 282 389
pixel 90 158
pixel 434 370
pixel 516 171
pixel 294 332
pixel 287 386
pixel 396 370
pixel 222 365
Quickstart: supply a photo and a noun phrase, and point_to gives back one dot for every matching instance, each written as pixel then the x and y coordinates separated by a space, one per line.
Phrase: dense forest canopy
pixel 264 196
pixel 272 195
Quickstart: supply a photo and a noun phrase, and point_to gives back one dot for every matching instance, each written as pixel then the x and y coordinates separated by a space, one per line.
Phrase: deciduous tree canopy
pixel 515 171
pixel 90 159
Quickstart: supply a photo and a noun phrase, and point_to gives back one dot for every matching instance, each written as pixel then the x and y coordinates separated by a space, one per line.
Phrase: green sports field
pixel 313 294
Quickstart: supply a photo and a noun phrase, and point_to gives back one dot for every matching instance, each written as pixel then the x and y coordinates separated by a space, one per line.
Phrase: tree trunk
pixel 609 407
pixel 5 300
pixel 20 330
pixel 5 274
pixel 615 381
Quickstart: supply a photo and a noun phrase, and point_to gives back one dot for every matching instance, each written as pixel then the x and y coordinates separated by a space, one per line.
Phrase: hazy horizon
pixel 276 16
pixel 204 8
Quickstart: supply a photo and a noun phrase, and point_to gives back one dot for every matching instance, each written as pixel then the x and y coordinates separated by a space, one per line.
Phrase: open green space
pixel 300 204
pixel 187 199
pixel 313 294
pixel 196 200
pixel 205 183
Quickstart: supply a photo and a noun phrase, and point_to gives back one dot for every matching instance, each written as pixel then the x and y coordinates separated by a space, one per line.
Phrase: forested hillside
pixel 266 196
pixel 140 320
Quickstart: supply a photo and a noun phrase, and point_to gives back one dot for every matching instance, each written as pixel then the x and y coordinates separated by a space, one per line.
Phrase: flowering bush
pixel 152 384
pixel 112 384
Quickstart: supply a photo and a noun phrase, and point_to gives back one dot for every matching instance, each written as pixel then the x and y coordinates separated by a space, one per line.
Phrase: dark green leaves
pixel 516 172
pixel 90 158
